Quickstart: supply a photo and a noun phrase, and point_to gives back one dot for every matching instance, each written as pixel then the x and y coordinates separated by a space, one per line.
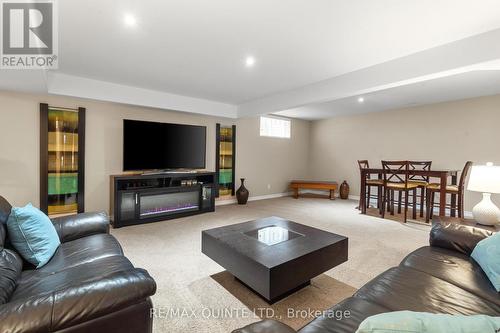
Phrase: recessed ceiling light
pixel 361 99
pixel 249 61
pixel 129 20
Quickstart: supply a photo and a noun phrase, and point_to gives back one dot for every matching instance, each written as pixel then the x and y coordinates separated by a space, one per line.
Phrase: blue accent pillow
pixel 32 234
pixel 421 322
pixel 487 255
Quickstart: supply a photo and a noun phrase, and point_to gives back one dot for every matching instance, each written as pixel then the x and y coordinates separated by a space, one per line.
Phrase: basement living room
pixel 250 166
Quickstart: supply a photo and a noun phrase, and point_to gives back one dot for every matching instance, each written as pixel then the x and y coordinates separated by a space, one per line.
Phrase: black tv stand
pixel 144 198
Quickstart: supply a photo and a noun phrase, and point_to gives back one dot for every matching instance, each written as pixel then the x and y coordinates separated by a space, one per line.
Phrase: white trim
pixel 255 198
pixel 415 68
pixel 75 86
pixel 467 214
pixel 325 192
pixel 225 202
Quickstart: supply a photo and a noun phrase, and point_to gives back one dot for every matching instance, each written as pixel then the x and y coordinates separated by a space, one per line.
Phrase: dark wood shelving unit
pixel 225 159
pixel 62 160
pixel 145 198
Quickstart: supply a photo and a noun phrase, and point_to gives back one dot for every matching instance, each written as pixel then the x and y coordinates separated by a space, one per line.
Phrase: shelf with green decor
pixel 225 159
pixel 62 168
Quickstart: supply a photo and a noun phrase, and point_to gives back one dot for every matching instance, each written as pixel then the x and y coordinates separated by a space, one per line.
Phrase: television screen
pixel 150 145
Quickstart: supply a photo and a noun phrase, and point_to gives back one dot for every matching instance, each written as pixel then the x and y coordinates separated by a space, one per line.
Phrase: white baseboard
pixel 467 214
pixel 254 198
pixel 337 195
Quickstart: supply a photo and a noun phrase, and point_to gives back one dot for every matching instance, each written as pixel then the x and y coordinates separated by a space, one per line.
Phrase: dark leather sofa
pixel 440 278
pixel 87 286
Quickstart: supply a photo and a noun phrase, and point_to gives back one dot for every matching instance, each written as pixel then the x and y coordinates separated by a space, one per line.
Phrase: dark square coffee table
pixel 272 256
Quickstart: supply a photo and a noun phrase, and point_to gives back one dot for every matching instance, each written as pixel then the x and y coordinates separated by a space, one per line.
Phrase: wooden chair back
pixel 396 172
pixel 420 165
pixel 463 176
pixel 363 164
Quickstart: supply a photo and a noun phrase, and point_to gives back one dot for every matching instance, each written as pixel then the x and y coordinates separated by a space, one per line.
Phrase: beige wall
pixel 449 134
pixel 262 161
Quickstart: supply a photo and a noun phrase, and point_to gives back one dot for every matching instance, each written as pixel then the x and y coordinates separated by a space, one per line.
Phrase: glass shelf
pixel 62 161
pixel 226 160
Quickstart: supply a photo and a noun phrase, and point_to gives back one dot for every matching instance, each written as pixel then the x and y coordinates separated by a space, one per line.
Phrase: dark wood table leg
pixel 414 213
pixel 422 200
pixel 362 193
pixel 296 193
pixel 454 179
pixel 442 194
pixel 400 197
pixel 379 198
pixel 453 197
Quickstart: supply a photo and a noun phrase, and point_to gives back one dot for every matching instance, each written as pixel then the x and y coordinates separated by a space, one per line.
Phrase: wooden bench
pixel 296 185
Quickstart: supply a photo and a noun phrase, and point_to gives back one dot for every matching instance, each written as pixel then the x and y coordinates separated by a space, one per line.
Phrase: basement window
pixel 275 127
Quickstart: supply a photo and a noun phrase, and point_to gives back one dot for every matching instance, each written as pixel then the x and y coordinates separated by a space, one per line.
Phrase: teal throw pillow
pixel 32 234
pixel 487 255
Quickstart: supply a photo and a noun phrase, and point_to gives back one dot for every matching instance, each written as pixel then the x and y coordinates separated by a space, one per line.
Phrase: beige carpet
pixel 295 310
pixel 194 296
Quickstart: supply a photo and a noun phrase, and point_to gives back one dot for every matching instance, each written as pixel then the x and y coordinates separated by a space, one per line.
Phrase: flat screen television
pixel 150 146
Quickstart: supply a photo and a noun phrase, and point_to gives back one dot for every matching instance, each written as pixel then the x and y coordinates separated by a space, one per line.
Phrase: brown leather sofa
pixel 440 278
pixel 87 286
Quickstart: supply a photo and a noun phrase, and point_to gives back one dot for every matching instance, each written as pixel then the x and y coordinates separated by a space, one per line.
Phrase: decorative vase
pixel 486 212
pixel 344 190
pixel 242 193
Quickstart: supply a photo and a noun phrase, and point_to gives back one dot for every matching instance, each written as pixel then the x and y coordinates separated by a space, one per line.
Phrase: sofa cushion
pixel 487 255
pixel 266 326
pixel 403 288
pixel 456 237
pixel 81 225
pixel 32 234
pixel 3 234
pixel 338 322
pixel 452 267
pixel 10 271
pixel 66 308
pixel 38 282
pixel 5 209
pixel 83 250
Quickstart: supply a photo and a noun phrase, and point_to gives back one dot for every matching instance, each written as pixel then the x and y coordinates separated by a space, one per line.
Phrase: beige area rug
pixel 188 299
pixel 295 310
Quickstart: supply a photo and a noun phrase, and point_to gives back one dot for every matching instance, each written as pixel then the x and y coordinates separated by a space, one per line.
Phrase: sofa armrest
pixel 457 237
pixel 80 225
pixel 76 304
pixel 266 326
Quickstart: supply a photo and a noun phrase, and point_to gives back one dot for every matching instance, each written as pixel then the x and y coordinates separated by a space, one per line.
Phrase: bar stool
pixel 378 183
pixel 396 178
pixel 454 190
pixel 420 180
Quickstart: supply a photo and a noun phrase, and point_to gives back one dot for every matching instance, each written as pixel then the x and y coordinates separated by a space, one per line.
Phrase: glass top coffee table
pixel 272 256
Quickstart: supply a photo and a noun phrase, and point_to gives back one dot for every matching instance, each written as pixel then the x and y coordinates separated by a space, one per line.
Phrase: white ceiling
pixel 197 48
pixel 455 87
